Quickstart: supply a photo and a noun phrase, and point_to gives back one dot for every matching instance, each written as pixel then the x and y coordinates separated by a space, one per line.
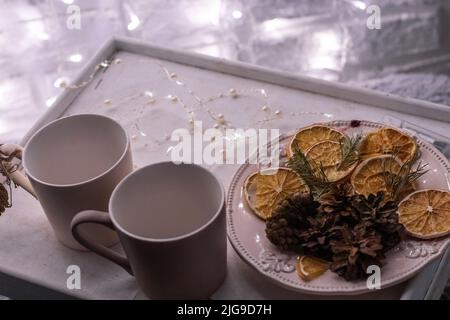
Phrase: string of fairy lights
pixel 200 105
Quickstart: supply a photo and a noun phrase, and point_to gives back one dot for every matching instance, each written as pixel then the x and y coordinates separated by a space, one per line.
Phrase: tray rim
pixel 340 91
pixel 271 276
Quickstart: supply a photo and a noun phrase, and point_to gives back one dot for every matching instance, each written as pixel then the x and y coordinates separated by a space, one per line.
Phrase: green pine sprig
pixel 400 181
pixel 349 151
pixel 310 171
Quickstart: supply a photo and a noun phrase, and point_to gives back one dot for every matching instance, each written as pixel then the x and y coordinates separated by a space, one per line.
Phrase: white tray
pixel 28 249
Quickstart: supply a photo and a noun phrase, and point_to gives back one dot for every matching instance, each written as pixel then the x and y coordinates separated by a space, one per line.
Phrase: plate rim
pixel 275 277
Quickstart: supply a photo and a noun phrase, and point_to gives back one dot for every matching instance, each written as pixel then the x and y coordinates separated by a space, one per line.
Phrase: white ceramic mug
pixel 171 223
pixel 73 164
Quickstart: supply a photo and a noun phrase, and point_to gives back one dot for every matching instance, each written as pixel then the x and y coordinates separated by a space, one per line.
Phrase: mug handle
pixel 102 218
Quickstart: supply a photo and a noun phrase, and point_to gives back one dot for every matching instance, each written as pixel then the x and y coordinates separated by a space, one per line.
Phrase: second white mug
pixel 171 223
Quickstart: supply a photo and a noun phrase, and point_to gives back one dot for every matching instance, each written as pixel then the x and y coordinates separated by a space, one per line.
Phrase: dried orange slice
pixel 266 189
pixel 250 190
pixel 426 213
pixel 369 176
pixel 307 137
pixel 328 155
pixel 388 141
pixel 309 268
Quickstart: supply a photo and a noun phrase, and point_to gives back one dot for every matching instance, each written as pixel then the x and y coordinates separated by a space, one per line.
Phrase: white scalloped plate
pixel 247 235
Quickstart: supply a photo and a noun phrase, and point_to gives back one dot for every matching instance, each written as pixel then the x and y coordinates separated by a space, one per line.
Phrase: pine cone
pixel 356 249
pixel 381 216
pixel 284 227
pixel 353 232
pixel 338 202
